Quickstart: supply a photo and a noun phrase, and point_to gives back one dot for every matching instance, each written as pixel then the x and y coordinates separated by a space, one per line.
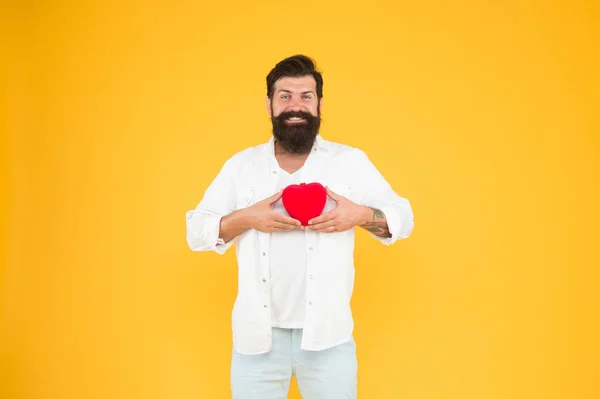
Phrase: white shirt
pixel 251 176
pixel 287 261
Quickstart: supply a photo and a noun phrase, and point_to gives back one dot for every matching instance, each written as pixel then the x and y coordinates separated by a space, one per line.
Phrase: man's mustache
pixel 295 114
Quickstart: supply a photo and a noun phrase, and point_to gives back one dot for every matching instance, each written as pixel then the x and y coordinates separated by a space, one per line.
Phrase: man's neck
pixel 289 161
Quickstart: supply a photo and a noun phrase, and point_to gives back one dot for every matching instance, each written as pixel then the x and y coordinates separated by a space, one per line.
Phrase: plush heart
pixel 304 201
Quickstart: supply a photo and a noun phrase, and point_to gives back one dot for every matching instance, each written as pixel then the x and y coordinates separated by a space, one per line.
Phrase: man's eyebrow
pixel 289 91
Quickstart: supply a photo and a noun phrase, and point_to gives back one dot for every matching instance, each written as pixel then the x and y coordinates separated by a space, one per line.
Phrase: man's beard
pixel 297 138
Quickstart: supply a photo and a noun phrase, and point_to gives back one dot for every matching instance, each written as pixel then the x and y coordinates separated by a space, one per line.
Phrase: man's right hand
pixel 263 218
pixel 259 216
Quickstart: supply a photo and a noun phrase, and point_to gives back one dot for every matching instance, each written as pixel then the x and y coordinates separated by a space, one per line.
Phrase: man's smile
pixel 295 120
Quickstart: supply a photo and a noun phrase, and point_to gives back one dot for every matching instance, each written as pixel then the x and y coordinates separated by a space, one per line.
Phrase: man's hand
pixel 263 218
pixel 345 216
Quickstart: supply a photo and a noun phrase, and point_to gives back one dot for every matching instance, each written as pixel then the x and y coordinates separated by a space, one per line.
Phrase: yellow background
pixel 117 115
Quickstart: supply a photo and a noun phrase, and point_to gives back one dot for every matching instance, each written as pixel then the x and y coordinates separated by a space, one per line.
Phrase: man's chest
pixel 290 165
pixel 257 181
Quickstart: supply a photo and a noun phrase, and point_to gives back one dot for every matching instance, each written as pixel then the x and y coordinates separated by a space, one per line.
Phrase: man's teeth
pixel 294 118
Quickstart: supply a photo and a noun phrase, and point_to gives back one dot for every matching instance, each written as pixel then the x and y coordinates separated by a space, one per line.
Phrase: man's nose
pixel 295 105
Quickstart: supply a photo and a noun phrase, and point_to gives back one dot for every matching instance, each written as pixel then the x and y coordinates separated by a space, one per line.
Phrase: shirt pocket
pixel 347 190
pixel 245 197
pixel 250 193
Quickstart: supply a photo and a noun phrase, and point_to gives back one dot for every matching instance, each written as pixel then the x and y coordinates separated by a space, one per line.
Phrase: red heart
pixel 304 201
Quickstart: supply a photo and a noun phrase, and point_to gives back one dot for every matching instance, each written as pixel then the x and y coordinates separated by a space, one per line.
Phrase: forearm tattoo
pixel 378 225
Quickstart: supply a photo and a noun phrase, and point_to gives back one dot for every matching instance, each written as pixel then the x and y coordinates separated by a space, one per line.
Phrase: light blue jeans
pixel 325 374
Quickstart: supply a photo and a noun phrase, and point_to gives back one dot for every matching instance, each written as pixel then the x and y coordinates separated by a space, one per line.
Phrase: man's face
pixel 295 113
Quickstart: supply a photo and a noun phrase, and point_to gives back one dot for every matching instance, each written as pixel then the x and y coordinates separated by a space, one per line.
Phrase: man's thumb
pixel 275 197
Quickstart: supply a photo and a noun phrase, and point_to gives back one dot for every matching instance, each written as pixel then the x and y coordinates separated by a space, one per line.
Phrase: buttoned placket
pixel 311 265
pixel 264 240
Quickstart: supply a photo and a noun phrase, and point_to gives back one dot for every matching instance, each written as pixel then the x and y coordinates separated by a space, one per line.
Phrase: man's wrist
pixel 245 219
pixel 237 221
pixel 366 215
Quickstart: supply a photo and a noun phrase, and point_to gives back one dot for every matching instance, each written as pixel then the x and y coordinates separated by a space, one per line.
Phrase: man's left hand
pixel 345 216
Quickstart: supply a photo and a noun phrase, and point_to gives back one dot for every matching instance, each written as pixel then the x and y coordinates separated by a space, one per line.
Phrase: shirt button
pixel 311 276
pixel 264 254
pixel 265 306
pixel 265 280
pixel 310 303
pixel 310 249
pixel 274 172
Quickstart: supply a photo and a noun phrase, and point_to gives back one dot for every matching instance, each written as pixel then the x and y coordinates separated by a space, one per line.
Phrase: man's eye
pixel 307 97
pixel 285 97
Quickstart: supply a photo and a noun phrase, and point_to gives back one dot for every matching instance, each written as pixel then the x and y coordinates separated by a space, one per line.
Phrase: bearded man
pixel 292 313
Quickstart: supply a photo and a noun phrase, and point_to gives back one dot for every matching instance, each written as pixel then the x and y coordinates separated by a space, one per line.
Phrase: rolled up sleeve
pixel 203 223
pixel 377 193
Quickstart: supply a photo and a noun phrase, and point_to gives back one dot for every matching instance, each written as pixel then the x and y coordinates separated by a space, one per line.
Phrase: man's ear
pixel 269 107
pixel 321 104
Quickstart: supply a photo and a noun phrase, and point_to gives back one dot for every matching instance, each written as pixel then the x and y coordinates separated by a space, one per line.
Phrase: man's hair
pixel 294 66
